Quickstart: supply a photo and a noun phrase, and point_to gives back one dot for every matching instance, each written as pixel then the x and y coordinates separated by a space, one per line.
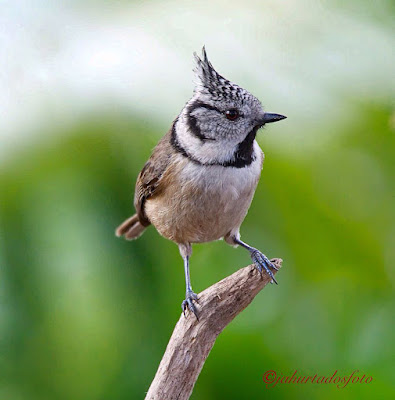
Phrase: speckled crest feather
pixel 210 82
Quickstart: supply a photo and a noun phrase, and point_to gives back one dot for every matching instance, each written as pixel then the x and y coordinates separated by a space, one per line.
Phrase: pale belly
pixel 202 204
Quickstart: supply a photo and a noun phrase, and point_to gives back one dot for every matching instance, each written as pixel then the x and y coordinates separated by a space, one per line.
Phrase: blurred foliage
pixel 85 315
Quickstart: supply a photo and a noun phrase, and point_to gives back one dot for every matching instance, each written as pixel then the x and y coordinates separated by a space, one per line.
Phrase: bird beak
pixel 269 117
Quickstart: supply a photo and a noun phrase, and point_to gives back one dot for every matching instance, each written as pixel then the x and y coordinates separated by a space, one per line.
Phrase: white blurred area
pixel 63 60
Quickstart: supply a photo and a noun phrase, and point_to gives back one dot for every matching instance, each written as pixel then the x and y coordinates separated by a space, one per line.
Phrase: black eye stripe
pixel 198 104
pixel 192 122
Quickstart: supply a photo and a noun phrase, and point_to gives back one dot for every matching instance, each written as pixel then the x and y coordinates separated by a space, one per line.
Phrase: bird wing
pixel 149 180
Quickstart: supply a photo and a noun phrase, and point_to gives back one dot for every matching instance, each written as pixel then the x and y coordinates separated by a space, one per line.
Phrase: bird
pixel 199 181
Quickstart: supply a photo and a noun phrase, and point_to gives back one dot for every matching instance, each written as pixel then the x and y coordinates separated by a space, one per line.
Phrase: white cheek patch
pixel 206 152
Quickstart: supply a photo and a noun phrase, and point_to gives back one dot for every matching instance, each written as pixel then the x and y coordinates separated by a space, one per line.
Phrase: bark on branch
pixel 192 340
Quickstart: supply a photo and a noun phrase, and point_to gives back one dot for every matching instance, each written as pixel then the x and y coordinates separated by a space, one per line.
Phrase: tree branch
pixel 192 340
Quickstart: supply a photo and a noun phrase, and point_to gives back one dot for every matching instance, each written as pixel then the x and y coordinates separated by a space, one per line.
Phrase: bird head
pixel 222 109
pixel 220 117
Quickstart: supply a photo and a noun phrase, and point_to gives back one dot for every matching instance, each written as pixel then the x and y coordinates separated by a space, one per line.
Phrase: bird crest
pixel 211 83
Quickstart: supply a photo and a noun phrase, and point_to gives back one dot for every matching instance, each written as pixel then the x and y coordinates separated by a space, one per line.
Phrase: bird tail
pixel 130 228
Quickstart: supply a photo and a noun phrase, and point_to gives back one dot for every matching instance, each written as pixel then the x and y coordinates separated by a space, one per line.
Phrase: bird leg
pixel 190 295
pixel 260 260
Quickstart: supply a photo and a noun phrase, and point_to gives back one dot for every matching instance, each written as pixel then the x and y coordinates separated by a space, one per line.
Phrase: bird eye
pixel 232 114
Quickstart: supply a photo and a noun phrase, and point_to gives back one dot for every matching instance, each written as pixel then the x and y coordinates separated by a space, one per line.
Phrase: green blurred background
pixel 87 89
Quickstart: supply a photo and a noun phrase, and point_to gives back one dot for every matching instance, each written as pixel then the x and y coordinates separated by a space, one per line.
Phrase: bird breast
pixel 200 203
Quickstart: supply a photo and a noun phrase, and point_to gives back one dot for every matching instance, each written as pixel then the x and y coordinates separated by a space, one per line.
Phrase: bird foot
pixel 263 263
pixel 188 303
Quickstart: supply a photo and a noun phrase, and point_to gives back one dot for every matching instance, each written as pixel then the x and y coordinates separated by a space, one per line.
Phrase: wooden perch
pixel 192 340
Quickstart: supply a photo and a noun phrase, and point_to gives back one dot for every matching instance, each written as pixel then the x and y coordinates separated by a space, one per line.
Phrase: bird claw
pixel 188 303
pixel 263 263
